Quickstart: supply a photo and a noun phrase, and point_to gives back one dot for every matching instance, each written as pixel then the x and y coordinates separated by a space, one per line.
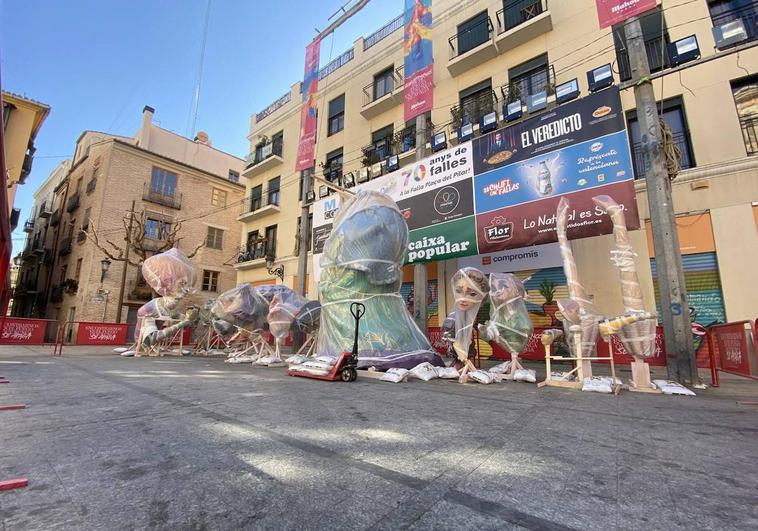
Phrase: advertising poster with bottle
pixel 501 191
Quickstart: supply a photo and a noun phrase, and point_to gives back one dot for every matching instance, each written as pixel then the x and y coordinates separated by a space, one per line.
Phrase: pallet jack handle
pixel 358 310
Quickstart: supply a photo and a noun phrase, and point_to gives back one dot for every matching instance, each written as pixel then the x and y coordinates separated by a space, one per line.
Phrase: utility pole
pixel 419 270
pixel 680 354
pixel 127 239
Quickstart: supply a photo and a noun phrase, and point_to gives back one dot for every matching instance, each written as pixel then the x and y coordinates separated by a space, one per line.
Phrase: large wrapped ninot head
pixel 469 289
pixel 242 306
pixel 508 313
pixel 283 309
pixel 270 290
pixel 369 235
pixel 169 273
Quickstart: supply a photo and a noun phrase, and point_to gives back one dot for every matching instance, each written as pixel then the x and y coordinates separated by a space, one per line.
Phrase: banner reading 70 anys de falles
pixel 501 190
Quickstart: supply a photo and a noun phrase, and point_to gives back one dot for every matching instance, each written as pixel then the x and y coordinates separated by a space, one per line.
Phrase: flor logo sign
pixel 499 230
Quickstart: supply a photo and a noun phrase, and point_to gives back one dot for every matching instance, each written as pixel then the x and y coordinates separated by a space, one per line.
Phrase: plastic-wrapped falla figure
pixel 282 313
pixel 172 276
pixel 362 263
pixel 240 314
pixel 469 290
pixel 509 325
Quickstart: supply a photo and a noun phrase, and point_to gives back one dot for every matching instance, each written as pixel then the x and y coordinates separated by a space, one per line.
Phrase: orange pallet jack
pixel 346 367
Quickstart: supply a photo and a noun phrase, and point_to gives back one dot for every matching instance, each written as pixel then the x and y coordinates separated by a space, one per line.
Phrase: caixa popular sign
pixel 101 334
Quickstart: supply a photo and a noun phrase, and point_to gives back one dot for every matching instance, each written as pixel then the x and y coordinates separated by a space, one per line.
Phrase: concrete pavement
pixel 194 443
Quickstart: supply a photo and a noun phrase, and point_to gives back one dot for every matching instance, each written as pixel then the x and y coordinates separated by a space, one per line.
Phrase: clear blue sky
pixel 97 63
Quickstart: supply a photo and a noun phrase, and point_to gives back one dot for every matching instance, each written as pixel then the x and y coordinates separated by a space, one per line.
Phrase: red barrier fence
pixel 730 350
pixel 89 333
pixel 21 331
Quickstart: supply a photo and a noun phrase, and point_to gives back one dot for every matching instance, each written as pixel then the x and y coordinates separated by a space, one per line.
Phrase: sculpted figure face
pixel 469 288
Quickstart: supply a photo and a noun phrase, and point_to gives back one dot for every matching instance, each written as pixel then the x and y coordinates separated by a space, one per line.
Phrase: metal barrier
pixel 732 348
pixel 23 331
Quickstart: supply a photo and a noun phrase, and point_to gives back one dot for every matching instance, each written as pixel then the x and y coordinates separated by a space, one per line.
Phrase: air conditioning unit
pixel 730 33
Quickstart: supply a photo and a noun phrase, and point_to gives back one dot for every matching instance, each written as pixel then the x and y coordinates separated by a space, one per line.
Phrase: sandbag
pixel 483 377
pixel 423 371
pixel 448 373
pixel 525 375
pixel 394 375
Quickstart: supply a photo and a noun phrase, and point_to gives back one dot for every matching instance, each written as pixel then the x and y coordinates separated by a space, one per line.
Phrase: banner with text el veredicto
pixel 306 146
pixel 610 12
pixel 419 62
pixel 501 190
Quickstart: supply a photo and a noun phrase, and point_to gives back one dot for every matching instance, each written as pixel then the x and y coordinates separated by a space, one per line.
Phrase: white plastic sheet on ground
pixel 668 387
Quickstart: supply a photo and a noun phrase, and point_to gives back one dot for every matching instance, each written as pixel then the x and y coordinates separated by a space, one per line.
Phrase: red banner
pixel 101 334
pixel 730 344
pixel 610 12
pixel 306 147
pixel 23 331
pixel 435 338
pixel 418 61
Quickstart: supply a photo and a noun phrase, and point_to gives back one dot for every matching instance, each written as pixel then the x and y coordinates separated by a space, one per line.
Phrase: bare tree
pixel 138 240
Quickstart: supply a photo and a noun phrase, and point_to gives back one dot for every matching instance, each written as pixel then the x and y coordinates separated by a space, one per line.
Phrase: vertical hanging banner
pixel 419 63
pixel 306 146
pixel 610 12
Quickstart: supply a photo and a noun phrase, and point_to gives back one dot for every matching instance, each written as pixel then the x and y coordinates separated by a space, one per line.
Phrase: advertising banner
pixel 730 343
pixel 419 66
pixel 534 257
pixel 500 191
pixel 306 146
pixel 610 12
pixel 23 331
pixel 101 334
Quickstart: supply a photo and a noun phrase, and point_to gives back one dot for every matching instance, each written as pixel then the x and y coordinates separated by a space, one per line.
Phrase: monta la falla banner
pixel 306 146
pixel 418 60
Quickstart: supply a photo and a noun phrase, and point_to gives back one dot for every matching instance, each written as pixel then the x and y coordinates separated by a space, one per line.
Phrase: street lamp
pixel 274 271
pixel 104 265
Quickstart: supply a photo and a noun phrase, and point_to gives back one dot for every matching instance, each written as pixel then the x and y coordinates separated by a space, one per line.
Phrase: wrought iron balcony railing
pixel 749 126
pixel 65 247
pixel 160 197
pixel 370 94
pixel 471 38
pixel 73 202
pixel 747 13
pixel 252 251
pixel 472 109
pixel 253 203
pixel 518 12
pixel 264 151
pixel 681 140
pixel 378 150
pixel 657 57
pixel 534 83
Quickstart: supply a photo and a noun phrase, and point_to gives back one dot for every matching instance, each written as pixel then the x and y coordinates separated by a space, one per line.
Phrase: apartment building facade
pixel 171 180
pixel 489 53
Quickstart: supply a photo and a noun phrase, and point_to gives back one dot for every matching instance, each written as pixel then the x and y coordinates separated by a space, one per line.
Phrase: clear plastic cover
pixel 283 310
pixel 169 273
pixel 362 263
pixel 243 307
pixel 510 325
pixel 469 289
pixel 638 337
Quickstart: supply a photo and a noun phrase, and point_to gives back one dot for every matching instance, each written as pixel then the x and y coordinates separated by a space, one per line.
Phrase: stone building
pixel 170 179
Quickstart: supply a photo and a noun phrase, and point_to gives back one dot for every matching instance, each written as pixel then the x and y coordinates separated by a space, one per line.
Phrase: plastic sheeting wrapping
pixel 638 338
pixel 510 325
pixel 362 263
pixel 469 289
pixel 283 310
pixel 243 307
pixel 169 273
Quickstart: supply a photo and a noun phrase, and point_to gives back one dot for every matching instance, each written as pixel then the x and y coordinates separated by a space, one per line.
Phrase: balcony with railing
pixel 375 152
pixel 377 101
pixel 524 86
pixel 45 209
pixel 657 57
pixel 471 46
pixel 256 206
pixel 742 16
pixel 56 218
pixel 471 110
pixel 73 202
pixel 65 248
pixel 91 185
pixel 382 33
pixel 38 247
pixel 749 126
pixel 267 155
pixel 521 21
pixel 29 225
pixel 252 255
pixel 56 294
pixel 681 141
pixel 161 197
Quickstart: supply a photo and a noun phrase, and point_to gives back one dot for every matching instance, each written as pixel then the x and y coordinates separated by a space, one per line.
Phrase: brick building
pixel 171 179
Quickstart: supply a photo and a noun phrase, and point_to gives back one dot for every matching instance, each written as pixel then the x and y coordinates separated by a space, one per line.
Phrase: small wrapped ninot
pixel 510 325
pixel 587 317
pixel 283 310
pixel 169 273
pixel 469 289
pixel 362 262
pixel 308 319
pixel 243 307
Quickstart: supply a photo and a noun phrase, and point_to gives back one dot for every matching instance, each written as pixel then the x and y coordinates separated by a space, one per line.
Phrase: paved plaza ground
pixel 193 443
